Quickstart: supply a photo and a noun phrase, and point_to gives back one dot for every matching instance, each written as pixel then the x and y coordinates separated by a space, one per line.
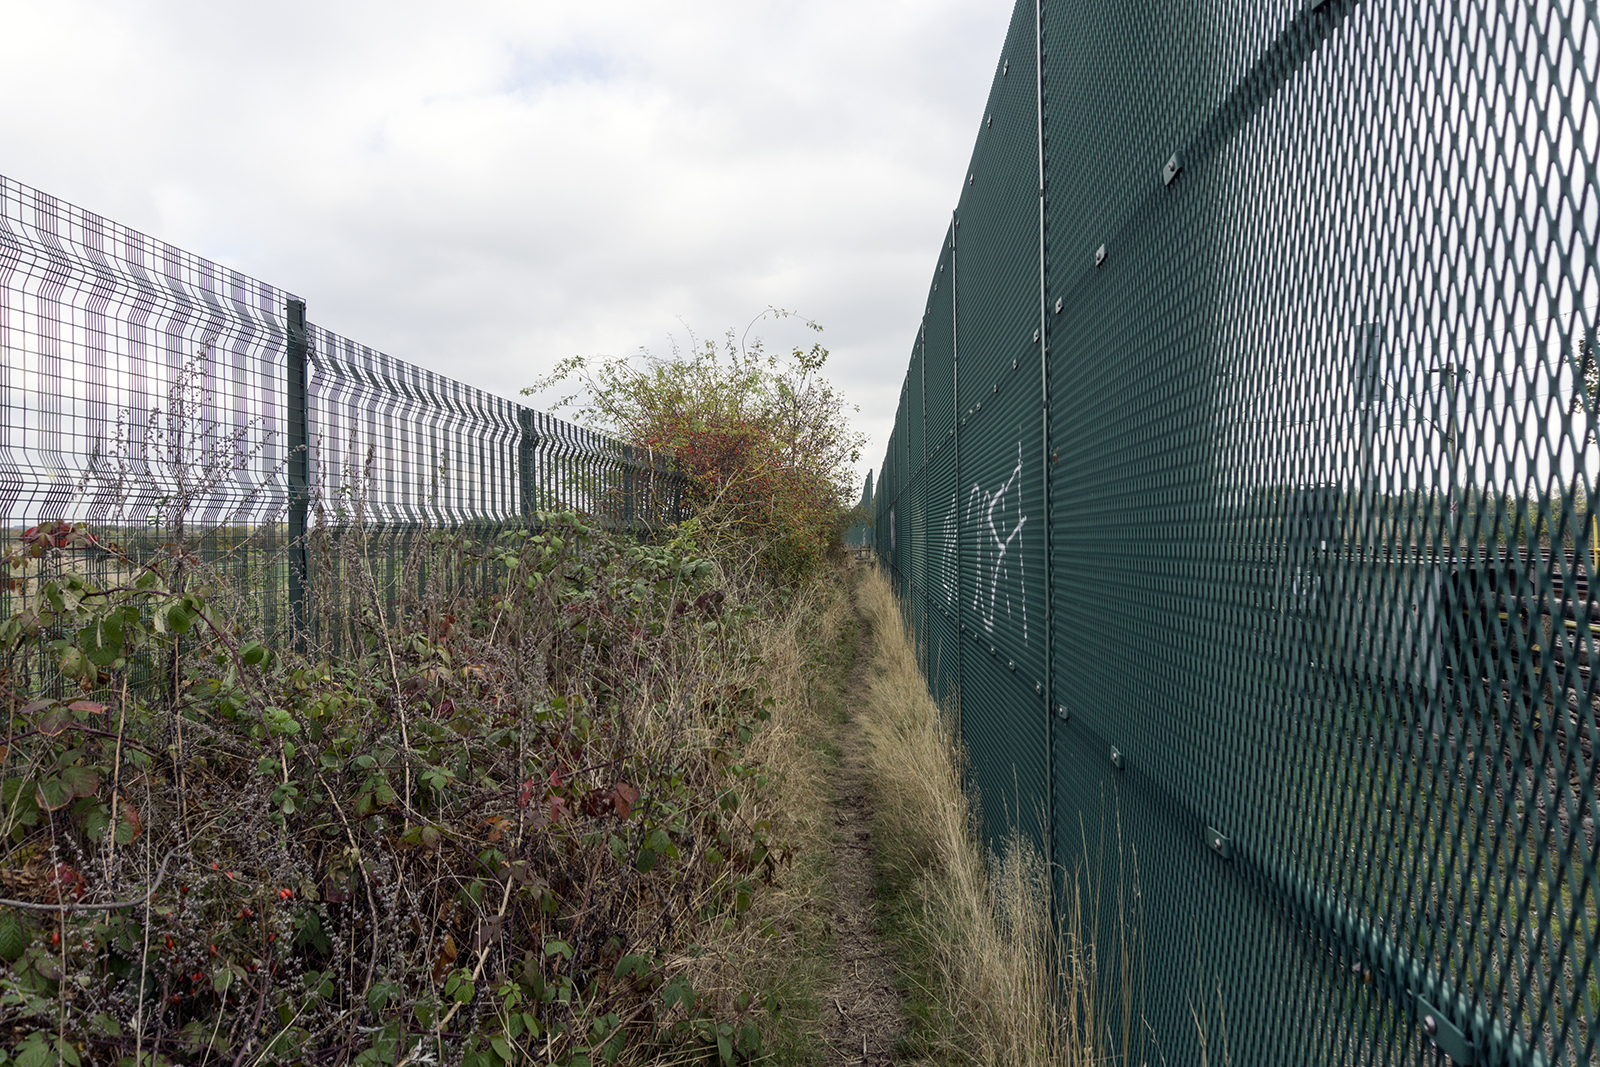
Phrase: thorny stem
pixel 394 674
pixel 116 781
pixel 477 970
pixel 361 865
pixel 144 963
pixel 112 906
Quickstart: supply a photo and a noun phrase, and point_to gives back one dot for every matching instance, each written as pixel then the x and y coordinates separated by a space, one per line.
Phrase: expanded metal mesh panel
pixel 936 342
pixel 916 413
pixel 1312 701
pixel 917 512
pixel 997 235
pixel 943 573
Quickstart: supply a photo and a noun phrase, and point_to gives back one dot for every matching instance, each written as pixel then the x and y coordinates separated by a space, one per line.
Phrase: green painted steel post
pixel 1044 459
pixel 926 639
pixel 527 475
pixel 955 417
pixel 299 470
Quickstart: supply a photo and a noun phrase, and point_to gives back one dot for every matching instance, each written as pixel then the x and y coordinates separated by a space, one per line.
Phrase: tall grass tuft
pixel 1009 985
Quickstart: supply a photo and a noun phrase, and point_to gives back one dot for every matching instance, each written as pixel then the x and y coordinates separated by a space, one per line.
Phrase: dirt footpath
pixel 864 1014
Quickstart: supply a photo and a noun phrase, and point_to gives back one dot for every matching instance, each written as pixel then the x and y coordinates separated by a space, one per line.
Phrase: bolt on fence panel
pixel 1319 424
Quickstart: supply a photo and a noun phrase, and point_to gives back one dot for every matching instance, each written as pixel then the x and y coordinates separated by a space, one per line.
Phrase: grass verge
pixel 808 654
pixel 990 979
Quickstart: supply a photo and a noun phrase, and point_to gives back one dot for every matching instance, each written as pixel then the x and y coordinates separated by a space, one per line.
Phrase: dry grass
pixel 1007 987
pixel 804 653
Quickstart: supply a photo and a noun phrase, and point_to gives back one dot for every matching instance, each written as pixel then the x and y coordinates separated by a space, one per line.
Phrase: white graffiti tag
pixel 988 512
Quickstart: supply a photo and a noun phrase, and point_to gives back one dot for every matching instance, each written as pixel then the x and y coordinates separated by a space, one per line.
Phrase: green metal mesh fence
pixel 1241 494
pixel 161 397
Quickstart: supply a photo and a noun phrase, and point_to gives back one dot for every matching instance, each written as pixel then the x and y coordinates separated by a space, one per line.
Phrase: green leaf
pixel 254 654
pixel 379 995
pixel 627 965
pixel 53 794
pixel 53 722
pixel 84 781
pixel 101 642
pixel 502 1048
pixel 74 664
pixel 678 993
pixel 646 862
pixel 613 1048
pixel 33 1052
pixel 13 939
pixel 96 821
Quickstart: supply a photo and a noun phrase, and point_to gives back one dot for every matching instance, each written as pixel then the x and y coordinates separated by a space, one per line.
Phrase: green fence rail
pixel 1240 494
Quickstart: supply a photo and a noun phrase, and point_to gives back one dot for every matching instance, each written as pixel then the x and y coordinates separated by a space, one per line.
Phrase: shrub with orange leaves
pixel 765 439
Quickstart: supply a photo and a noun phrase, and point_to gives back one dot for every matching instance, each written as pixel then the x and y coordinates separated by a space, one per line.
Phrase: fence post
pixel 955 422
pixel 1045 461
pixel 629 482
pixel 299 470
pixel 527 479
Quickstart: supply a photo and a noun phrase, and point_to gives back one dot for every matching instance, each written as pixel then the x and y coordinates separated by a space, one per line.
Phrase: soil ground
pixel 864 1015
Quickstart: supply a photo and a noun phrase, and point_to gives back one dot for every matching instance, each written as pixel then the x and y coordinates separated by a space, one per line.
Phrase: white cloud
pixel 484 188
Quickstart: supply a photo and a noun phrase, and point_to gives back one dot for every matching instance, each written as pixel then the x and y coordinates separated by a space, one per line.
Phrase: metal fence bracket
pixel 1171 170
pixel 1444 1034
pixel 1116 758
pixel 1220 844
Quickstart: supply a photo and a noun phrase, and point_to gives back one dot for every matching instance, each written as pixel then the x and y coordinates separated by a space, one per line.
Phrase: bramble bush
pixel 496 829
pixel 765 440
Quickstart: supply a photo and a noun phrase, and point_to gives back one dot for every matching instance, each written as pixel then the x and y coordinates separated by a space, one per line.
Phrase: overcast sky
pixel 484 188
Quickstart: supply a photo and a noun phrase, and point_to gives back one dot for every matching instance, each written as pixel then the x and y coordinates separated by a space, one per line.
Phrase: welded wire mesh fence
pixel 1241 496
pixel 167 400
